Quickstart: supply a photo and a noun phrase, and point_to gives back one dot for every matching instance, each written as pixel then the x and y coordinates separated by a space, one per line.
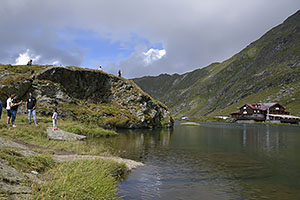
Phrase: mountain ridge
pixel 257 73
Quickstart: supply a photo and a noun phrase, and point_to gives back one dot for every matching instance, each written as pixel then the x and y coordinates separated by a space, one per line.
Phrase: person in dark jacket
pixel 30 107
pixel 14 109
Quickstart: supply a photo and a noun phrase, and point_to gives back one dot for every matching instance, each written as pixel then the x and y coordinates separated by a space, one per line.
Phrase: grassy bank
pixel 36 135
pixel 82 179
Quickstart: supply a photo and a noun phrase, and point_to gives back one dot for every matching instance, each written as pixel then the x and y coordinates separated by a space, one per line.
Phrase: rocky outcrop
pixel 83 93
pixel 89 85
pixel 98 87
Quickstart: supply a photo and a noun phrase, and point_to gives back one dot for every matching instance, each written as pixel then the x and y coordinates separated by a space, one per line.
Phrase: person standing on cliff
pixel 14 109
pixel 30 107
pixel 29 63
pixel 120 73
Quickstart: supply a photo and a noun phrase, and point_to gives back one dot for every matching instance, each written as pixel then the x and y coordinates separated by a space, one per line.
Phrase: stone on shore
pixel 63 135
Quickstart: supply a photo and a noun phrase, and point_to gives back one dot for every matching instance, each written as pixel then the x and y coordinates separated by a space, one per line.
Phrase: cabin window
pixel 254 111
pixel 258 111
pixel 277 108
pixel 245 112
pixel 245 107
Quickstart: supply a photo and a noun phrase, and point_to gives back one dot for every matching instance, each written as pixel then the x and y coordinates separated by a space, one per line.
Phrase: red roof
pixel 256 106
pixel 261 106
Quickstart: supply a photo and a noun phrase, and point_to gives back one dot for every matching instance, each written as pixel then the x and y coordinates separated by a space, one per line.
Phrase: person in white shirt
pixel 54 119
pixel 8 105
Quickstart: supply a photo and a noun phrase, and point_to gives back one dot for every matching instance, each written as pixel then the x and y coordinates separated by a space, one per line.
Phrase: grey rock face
pixel 81 84
pixel 63 135
pixel 98 87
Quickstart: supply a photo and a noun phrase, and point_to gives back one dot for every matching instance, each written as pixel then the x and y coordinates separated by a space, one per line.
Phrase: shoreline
pixel 36 178
pixel 39 163
pixel 229 122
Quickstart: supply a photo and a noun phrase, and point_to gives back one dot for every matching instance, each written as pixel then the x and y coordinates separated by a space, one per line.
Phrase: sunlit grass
pixel 36 135
pixel 81 180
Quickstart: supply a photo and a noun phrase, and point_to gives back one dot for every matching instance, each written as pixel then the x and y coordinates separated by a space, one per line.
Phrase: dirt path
pixel 61 156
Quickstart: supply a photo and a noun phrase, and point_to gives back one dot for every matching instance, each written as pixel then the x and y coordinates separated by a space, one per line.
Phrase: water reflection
pixel 212 161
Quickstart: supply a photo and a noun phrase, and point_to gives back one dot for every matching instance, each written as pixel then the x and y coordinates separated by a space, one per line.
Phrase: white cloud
pixel 193 33
pixel 152 55
pixel 57 63
pixel 25 57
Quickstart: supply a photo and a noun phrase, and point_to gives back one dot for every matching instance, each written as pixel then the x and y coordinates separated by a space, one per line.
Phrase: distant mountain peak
pixel 267 70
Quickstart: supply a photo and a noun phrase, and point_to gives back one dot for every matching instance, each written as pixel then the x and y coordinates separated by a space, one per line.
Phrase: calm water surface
pixel 211 161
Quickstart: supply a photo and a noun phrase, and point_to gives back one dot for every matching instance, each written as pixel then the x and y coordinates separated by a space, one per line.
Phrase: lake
pixel 211 161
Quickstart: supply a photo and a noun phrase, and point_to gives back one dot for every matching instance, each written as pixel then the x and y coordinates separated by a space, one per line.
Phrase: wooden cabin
pixel 265 112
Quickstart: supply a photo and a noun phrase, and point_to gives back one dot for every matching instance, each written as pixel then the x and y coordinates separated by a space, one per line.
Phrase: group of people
pixel 12 106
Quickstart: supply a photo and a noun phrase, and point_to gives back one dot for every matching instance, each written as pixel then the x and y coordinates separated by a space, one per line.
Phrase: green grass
pixel 104 115
pixel 33 135
pixel 19 72
pixel 91 130
pixel 39 163
pixel 81 180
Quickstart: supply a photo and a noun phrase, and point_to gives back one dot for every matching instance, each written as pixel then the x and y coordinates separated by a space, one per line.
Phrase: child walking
pixel 54 119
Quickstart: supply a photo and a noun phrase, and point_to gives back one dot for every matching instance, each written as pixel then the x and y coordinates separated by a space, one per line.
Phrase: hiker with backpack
pixel 14 109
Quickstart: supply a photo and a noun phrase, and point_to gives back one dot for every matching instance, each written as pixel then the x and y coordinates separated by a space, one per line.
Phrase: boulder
pixel 63 135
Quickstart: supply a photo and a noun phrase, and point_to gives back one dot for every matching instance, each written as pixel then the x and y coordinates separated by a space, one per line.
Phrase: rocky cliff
pixel 85 95
pixel 268 70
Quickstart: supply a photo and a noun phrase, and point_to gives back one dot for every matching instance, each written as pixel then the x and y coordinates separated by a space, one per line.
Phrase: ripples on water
pixel 212 161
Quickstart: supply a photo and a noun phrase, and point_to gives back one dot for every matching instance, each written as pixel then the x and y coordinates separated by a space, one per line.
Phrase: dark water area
pixel 211 161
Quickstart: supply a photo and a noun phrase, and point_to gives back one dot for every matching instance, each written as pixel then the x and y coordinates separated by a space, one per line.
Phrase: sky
pixel 140 37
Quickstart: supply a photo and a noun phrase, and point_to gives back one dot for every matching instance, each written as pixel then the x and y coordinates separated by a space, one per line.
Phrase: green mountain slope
pixel 267 70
